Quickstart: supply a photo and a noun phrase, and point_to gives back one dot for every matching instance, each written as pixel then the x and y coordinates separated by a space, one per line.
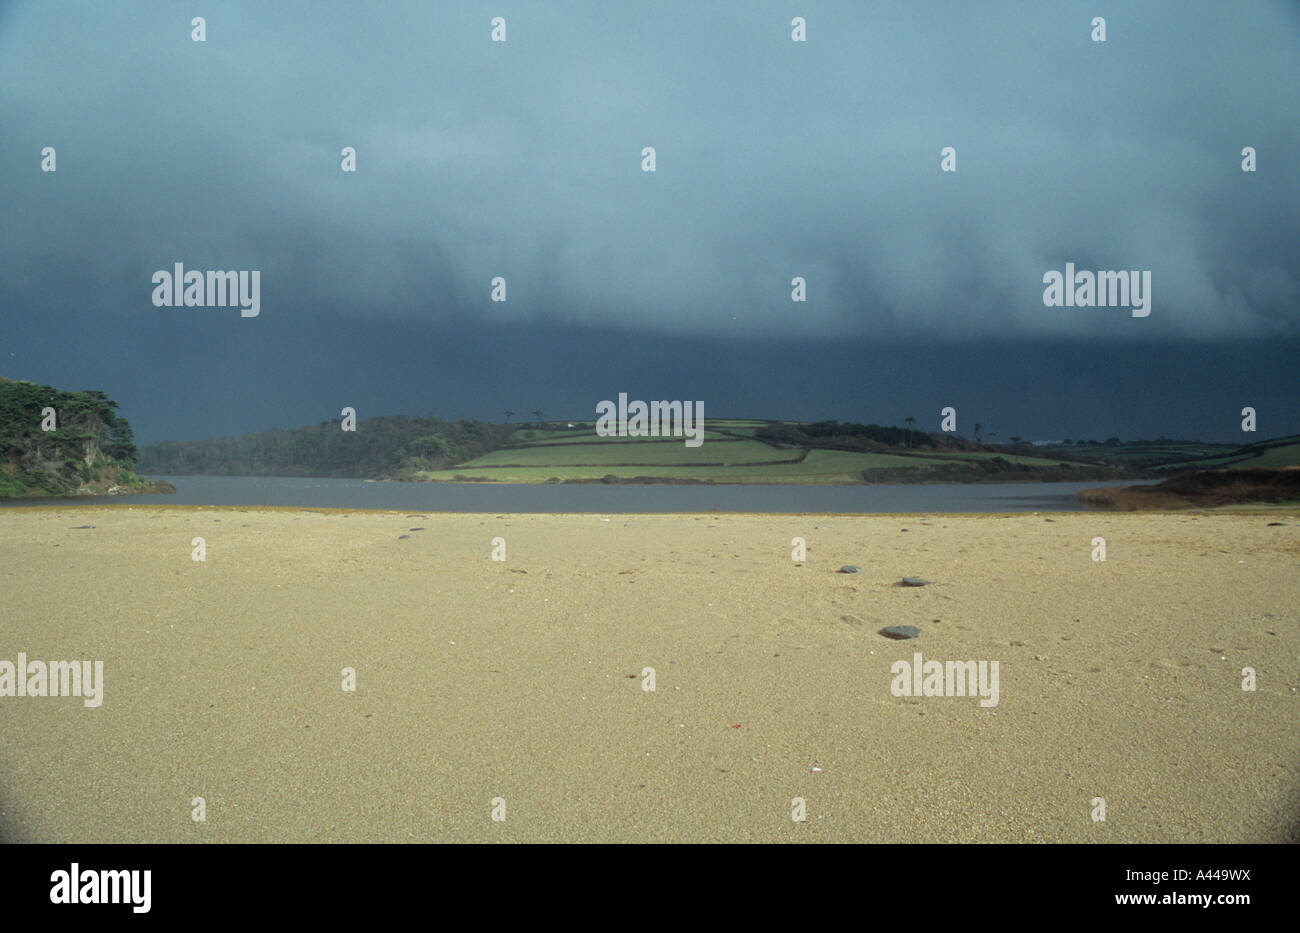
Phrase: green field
pixel 721 459
pixel 1279 452
pixel 611 451
pixel 1147 455
pixel 584 433
pixel 818 467
pixel 1279 456
pixel 1012 458
pixel 1184 455
pixel 589 437
pixel 731 454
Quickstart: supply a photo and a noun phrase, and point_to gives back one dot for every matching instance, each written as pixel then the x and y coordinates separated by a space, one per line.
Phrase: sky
pixel 774 159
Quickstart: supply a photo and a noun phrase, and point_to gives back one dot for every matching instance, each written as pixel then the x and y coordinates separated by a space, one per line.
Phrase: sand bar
pixel 522 679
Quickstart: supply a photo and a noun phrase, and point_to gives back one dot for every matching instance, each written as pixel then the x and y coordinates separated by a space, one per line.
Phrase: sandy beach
pixel 523 679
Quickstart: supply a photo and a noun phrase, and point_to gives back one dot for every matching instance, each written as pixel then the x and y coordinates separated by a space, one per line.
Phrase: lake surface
pixel 484 497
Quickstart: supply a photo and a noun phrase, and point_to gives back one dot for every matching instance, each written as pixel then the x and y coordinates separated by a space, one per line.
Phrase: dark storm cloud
pixel 775 159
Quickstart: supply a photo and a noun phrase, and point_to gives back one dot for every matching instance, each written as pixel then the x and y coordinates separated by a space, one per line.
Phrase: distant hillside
pixel 390 447
pixel 735 450
pixel 766 452
pixel 89 451
pixel 1167 456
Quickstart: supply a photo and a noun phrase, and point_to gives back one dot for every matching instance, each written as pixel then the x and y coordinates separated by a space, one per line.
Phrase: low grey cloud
pixel 775 159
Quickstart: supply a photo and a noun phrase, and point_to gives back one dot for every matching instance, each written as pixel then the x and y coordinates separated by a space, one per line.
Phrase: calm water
pixel 475 497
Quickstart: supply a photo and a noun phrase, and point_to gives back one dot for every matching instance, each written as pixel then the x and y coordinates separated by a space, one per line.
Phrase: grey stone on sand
pixel 900 631
pixel 848 568
pixel 915 581
pixel 400 537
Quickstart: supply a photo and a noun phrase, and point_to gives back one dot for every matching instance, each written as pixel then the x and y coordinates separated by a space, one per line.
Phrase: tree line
pixel 388 447
pixel 52 440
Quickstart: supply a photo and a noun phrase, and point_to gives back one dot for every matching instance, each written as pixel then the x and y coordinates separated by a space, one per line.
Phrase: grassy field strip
pixel 709 435
pixel 1010 458
pixel 615 452
pixel 1279 456
pixel 1276 456
pixel 819 466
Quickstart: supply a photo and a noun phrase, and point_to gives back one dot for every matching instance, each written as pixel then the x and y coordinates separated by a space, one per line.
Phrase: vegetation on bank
pixel 390 447
pixel 88 448
pixel 1203 489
